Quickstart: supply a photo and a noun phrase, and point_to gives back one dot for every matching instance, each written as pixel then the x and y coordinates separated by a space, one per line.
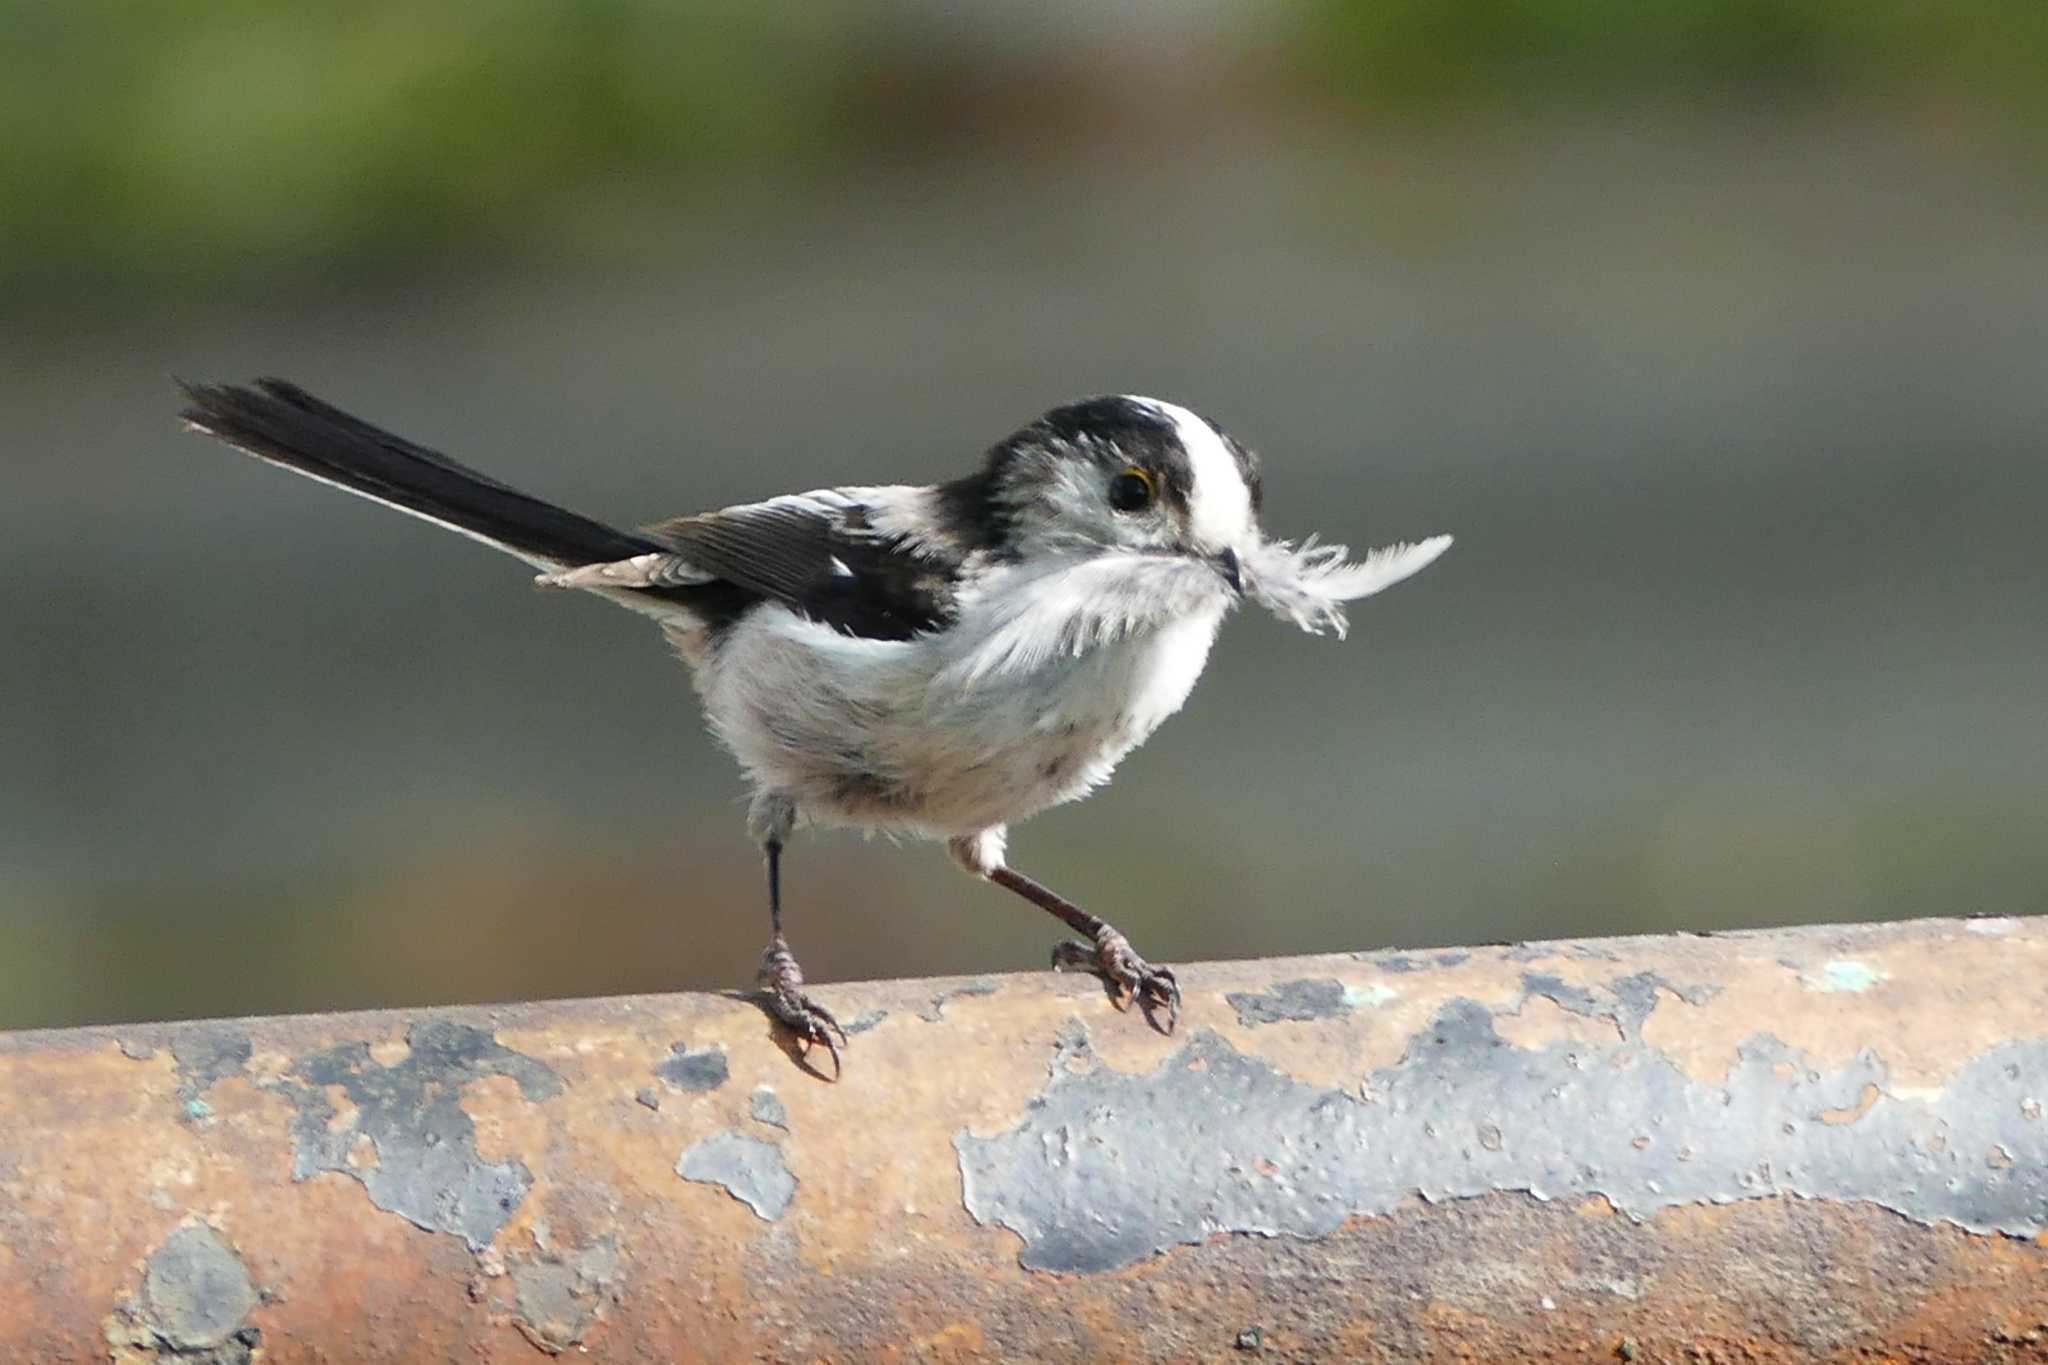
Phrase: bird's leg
pixel 1102 949
pixel 782 981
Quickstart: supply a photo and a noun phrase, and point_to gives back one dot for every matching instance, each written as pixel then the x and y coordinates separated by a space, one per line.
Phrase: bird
pixel 939 661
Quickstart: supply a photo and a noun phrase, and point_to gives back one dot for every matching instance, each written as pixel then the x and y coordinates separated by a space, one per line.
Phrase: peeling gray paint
pixel 1071 1048
pixel 426 1167
pixel 1087 1181
pixel 936 1010
pixel 751 1171
pixel 558 1297
pixel 1577 999
pixel 1572 948
pixel 1636 997
pixel 1409 962
pixel 865 1020
pixel 207 1054
pixel 1626 1001
pixel 702 1069
pixel 197 1297
pixel 764 1107
pixel 1291 1002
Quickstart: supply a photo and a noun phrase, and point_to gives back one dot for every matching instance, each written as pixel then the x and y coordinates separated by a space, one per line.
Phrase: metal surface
pixel 1791 1145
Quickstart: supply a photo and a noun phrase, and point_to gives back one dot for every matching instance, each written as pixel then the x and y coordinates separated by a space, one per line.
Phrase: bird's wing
pixel 846 557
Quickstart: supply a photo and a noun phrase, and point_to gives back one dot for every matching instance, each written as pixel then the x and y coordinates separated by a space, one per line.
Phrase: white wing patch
pixel 1309 583
pixel 655 569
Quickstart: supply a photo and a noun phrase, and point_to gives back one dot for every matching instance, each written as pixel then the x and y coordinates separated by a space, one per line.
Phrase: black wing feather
pixel 823 560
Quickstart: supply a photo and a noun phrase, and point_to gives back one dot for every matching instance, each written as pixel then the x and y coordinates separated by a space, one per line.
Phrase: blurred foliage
pixel 1396 53
pixel 147 146
pixel 142 141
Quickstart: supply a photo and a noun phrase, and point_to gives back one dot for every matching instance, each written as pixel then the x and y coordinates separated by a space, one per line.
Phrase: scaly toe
pixel 1128 978
pixel 1074 955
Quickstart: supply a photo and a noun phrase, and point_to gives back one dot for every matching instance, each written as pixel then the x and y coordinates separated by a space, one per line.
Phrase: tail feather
pixel 281 423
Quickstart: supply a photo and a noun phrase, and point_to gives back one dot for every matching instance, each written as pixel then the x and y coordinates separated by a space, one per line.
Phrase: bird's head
pixel 1130 475
pixel 1127 474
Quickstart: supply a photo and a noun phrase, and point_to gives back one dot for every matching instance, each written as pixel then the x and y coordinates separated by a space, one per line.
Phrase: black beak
pixel 1226 564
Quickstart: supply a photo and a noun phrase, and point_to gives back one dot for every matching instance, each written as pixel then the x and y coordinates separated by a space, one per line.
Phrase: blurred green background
pixel 1715 329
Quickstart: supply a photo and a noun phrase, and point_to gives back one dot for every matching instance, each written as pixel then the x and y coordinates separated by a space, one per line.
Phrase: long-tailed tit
pixel 935 660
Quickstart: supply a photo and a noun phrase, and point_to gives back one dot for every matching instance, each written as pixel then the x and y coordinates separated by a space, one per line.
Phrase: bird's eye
pixel 1131 490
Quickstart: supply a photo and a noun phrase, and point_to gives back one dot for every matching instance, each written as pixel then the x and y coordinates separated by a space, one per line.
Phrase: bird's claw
pixel 811 1022
pixel 782 981
pixel 1128 977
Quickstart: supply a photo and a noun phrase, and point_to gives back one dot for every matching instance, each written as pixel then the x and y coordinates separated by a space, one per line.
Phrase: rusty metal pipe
pixel 1787 1145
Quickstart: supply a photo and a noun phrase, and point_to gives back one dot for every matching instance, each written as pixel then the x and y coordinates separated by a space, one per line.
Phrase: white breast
pixel 910 736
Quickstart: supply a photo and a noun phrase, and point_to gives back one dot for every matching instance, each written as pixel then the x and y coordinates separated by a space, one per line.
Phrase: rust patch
pixel 877 1259
pixel 1849 1113
pixel 506 1126
pixel 1541 1021
pixel 1962 991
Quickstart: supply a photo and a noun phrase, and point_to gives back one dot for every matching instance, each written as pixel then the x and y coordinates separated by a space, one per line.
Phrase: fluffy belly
pixel 858 733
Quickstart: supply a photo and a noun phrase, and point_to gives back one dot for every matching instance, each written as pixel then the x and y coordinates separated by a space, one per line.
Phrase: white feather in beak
pixel 1309 583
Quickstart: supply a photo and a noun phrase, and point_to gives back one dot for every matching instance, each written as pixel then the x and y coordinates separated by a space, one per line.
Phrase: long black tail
pixel 282 423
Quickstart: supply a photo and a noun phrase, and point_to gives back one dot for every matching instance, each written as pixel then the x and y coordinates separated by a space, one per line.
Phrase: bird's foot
pixel 1128 976
pixel 781 982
